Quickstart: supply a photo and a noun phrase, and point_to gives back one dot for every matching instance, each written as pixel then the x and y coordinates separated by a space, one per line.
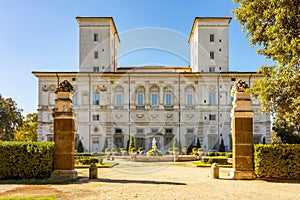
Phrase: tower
pixel 209 47
pixel 98 44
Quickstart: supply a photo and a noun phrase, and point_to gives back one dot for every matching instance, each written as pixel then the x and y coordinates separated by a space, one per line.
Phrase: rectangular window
pixel 96 37
pixel 140 131
pixel 211 143
pixel 140 99
pixel 96 117
pixel 190 130
pixel 96 54
pixel 154 130
pixel 140 142
pixel 212 117
pixel 75 98
pixel 154 98
pixel 168 131
pixel 212 55
pixel 96 69
pixel 212 69
pixel 212 98
pixel 256 140
pixel 96 98
pixel 168 100
pixel 118 131
pixel 189 99
pixel 211 37
pixel 119 99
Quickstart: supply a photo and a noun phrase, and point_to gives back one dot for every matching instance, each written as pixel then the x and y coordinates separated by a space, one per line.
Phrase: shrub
pixel 88 160
pixel 221 160
pixel 20 160
pixel 228 154
pixel 82 154
pixel 133 150
pixel 211 154
pixel 277 161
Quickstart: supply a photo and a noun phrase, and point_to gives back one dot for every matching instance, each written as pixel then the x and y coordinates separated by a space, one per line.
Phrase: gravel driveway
pixel 157 181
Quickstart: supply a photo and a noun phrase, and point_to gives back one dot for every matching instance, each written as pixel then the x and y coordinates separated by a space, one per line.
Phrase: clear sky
pixel 40 35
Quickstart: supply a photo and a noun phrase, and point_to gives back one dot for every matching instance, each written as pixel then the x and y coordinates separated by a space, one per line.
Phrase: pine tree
pixel 222 146
pixel 131 144
pixel 80 147
pixel 175 144
pixel 198 143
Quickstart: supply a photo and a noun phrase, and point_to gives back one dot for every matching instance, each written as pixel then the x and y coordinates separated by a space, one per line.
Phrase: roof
pixel 226 19
pixel 95 19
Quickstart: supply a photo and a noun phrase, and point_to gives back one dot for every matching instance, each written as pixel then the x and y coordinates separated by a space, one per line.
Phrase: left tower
pixel 98 44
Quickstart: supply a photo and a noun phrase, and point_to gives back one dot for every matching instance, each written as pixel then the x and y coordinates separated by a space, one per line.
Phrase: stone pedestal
pixel 242 134
pixel 64 133
pixel 93 171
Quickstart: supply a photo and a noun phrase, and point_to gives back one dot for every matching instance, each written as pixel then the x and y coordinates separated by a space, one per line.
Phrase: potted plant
pixel 184 150
pixel 195 151
pixel 170 151
pixel 200 151
pixel 141 151
pixel 123 151
pixel 107 152
pixel 113 151
pixel 175 151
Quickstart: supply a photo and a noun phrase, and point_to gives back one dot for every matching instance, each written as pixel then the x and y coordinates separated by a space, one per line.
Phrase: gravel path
pixel 157 181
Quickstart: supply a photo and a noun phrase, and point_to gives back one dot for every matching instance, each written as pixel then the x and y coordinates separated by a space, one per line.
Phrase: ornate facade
pixel 112 103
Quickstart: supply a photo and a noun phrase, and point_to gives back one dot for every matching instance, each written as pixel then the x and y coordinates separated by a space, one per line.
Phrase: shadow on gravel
pixel 282 181
pixel 130 181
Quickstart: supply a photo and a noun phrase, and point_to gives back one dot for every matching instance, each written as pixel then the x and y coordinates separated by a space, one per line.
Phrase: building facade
pixel 112 103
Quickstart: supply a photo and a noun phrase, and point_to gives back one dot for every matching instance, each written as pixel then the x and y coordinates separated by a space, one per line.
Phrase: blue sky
pixel 43 36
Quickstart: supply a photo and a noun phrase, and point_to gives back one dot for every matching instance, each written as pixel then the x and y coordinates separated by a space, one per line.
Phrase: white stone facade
pixel 114 103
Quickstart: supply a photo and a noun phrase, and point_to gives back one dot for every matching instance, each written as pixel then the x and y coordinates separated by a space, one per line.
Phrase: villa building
pixel 112 103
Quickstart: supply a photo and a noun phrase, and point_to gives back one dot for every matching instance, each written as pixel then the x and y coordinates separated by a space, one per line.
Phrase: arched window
pixel 119 95
pixel 189 96
pixel 154 95
pixel 168 96
pixel 140 96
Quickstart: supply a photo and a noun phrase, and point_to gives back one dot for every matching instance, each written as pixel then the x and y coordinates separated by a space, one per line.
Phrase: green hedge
pixel 221 160
pixel 277 161
pixel 88 160
pixel 227 154
pixel 20 160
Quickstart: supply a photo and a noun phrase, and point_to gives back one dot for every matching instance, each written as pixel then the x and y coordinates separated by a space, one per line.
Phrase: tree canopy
pixel 274 27
pixel 10 118
pixel 28 130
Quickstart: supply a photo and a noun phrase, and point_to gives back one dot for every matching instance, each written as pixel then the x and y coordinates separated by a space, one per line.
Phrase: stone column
pixel 242 132
pixel 64 133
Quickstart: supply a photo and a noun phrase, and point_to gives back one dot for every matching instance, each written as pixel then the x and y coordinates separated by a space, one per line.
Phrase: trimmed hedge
pixel 221 160
pixel 88 160
pixel 20 160
pixel 277 161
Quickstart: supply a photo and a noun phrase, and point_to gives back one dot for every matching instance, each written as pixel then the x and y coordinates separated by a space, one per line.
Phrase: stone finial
pixel 239 86
pixel 65 86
